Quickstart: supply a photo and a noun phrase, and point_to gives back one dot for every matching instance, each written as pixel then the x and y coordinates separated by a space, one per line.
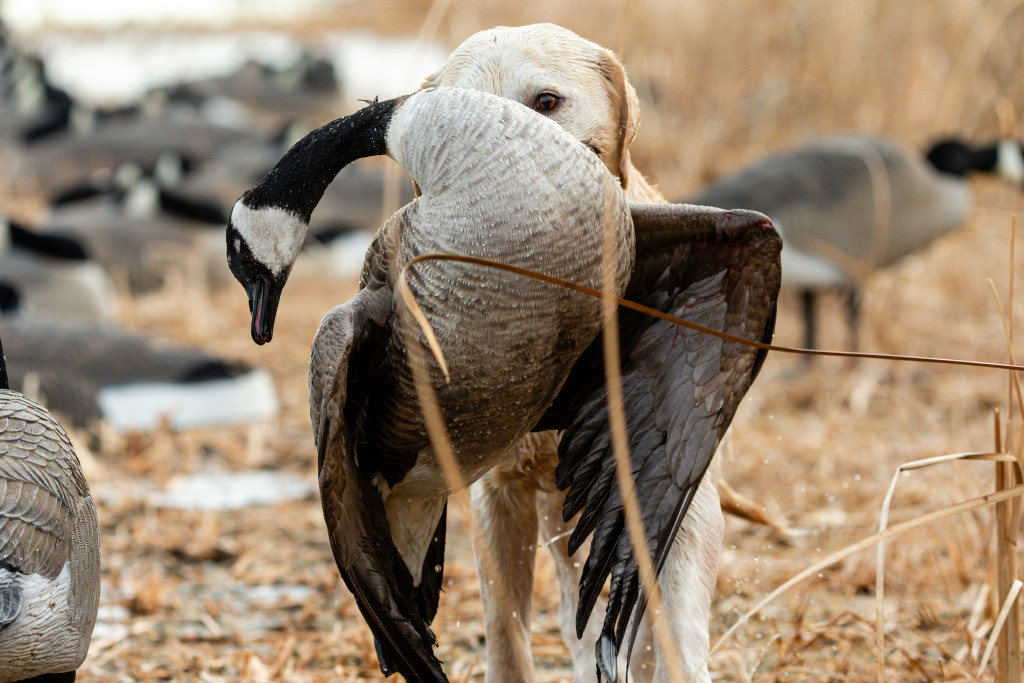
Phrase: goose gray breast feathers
pixel 502 182
pixel 49 546
pixel 853 203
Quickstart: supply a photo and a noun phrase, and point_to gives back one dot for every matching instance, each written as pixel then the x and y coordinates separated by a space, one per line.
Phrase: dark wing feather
pixel 342 365
pixel 681 389
pixel 10 597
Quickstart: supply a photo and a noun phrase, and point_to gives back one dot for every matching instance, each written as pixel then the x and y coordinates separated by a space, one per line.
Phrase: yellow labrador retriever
pixel 583 87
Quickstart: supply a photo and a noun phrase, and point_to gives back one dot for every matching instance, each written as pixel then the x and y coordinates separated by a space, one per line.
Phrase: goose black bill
pixel 264 297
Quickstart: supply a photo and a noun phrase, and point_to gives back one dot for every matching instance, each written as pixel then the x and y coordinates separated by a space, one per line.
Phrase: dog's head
pixel 579 84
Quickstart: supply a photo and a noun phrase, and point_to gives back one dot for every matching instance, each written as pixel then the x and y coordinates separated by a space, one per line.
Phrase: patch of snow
pixel 233 490
pixel 276 593
pixel 122 68
pixel 370 66
pixel 246 398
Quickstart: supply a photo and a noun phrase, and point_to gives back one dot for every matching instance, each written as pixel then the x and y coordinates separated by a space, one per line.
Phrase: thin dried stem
pixel 1008 333
pixel 620 448
pixel 437 431
pixel 590 291
pixel 1007 641
pixel 864 544
pixel 414 309
pixel 883 522
pixel 997 629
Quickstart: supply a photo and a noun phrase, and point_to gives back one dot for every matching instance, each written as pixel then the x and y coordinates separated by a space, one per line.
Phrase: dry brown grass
pixel 720 84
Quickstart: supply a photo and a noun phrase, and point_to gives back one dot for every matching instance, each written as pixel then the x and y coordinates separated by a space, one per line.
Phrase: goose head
pixel 268 224
pixel 1004 158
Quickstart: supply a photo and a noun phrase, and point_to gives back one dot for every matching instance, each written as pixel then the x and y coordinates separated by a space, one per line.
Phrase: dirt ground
pixel 253 595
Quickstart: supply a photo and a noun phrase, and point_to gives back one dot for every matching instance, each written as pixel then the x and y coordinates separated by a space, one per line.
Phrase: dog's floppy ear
pixel 625 102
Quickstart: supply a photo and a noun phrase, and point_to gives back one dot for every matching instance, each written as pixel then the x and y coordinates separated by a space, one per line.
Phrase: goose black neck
pixel 300 178
pixel 957 158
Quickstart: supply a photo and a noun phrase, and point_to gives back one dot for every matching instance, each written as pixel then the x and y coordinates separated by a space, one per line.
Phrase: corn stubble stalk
pixel 1008 474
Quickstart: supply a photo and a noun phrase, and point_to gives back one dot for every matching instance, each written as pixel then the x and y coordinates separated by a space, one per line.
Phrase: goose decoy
pixel 307 89
pixel 846 205
pixel 87 372
pixel 49 546
pixel 62 159
pixel 502 182
pixel 33 106
pixel 143 232
pixel 54 274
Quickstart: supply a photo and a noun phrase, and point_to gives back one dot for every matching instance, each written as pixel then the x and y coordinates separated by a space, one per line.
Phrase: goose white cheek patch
pixel 274 235
pixel 1010 161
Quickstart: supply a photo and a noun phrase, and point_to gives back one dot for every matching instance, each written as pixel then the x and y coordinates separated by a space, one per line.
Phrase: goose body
pixel 49 546
pixel 541 332
pixel 54 275
pixel 90 372
pixel 849 204
pixel 498 181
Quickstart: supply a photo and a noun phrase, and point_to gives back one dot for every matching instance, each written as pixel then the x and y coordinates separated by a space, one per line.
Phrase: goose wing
pixel 681 389
pixel 344 361
pixel 10 598
pixel 40 489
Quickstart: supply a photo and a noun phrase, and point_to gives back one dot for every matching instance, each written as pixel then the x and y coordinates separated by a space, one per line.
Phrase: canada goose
pixel 584 88
pixel 90 372
pixel 499 181
pixel 143 233
pixel 54 274
pixel 849 204
pixel 49 546
pixel 346 218
pixel 356 200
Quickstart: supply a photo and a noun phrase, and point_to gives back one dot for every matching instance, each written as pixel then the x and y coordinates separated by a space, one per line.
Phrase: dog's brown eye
pixel 546 101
